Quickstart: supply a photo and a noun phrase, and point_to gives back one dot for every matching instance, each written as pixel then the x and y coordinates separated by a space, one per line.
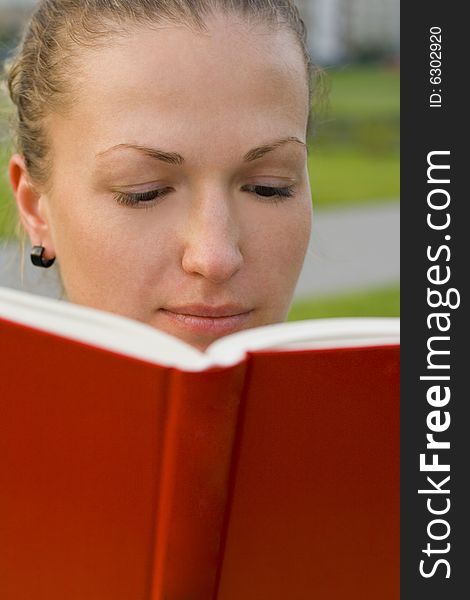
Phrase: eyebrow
pixel 259 152
pixel 173 158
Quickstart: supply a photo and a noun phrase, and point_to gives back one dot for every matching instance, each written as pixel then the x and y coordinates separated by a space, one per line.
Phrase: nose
pixel 212 239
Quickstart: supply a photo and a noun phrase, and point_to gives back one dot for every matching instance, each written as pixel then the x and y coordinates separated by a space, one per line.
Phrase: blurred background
pixel 352 266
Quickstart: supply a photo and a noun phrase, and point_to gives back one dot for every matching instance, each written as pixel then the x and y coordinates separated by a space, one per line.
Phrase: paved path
pixel 350 249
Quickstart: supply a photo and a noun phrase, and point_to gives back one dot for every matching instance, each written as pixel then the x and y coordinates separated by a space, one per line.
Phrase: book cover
pixel 272 475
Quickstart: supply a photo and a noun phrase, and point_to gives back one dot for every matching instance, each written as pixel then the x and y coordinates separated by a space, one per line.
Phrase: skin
pixel 211 246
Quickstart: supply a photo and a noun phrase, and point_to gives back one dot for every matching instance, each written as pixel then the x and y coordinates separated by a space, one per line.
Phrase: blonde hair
pixel 40 78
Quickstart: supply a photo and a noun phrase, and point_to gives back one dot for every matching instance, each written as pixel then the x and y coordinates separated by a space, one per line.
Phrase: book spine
pixel 197 456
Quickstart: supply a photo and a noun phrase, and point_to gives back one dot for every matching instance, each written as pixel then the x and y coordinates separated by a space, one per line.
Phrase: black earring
pixel 37 259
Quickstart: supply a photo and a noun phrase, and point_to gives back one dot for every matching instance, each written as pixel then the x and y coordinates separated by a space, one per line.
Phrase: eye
pixel 274 194
pixel 145 199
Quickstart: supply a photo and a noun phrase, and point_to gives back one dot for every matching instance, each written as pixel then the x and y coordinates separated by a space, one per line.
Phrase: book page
pixel 305 335
pixel 98 328
pixel 131 338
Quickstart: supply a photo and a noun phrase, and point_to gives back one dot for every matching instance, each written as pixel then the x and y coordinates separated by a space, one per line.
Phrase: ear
pixel 31 206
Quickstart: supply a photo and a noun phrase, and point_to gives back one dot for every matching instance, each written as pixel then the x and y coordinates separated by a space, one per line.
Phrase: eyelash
pixel 276 194
pixel 150 198
pixel 144 198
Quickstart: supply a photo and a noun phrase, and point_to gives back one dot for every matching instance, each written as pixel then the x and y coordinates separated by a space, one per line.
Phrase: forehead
pixel 170 82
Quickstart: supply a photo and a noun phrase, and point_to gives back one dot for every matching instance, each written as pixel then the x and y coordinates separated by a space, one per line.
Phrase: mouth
pixel 207 320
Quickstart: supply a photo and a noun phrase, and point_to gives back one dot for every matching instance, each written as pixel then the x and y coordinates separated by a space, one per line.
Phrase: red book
pixel 133 467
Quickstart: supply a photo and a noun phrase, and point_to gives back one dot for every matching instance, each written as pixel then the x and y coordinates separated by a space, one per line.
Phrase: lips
pixel 212 312
pixel 207 320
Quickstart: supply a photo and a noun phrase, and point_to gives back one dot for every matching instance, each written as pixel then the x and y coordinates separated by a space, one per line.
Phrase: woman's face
pixel 179 194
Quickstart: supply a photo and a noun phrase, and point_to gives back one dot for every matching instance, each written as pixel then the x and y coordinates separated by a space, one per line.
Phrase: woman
pixel 162 157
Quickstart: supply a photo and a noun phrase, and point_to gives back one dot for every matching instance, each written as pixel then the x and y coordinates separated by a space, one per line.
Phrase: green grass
pixel 7 209
pixel 351 177
pixel 8 219
pixel 354 153
pixel 384 302
pixel 364 92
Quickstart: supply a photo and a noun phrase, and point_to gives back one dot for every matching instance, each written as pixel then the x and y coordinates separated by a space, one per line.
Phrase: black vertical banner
pixel 435 251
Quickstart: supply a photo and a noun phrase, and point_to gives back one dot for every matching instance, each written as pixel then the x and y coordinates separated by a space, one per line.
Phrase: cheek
pixel 295 235
pixel 109 256
pixel 279 244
